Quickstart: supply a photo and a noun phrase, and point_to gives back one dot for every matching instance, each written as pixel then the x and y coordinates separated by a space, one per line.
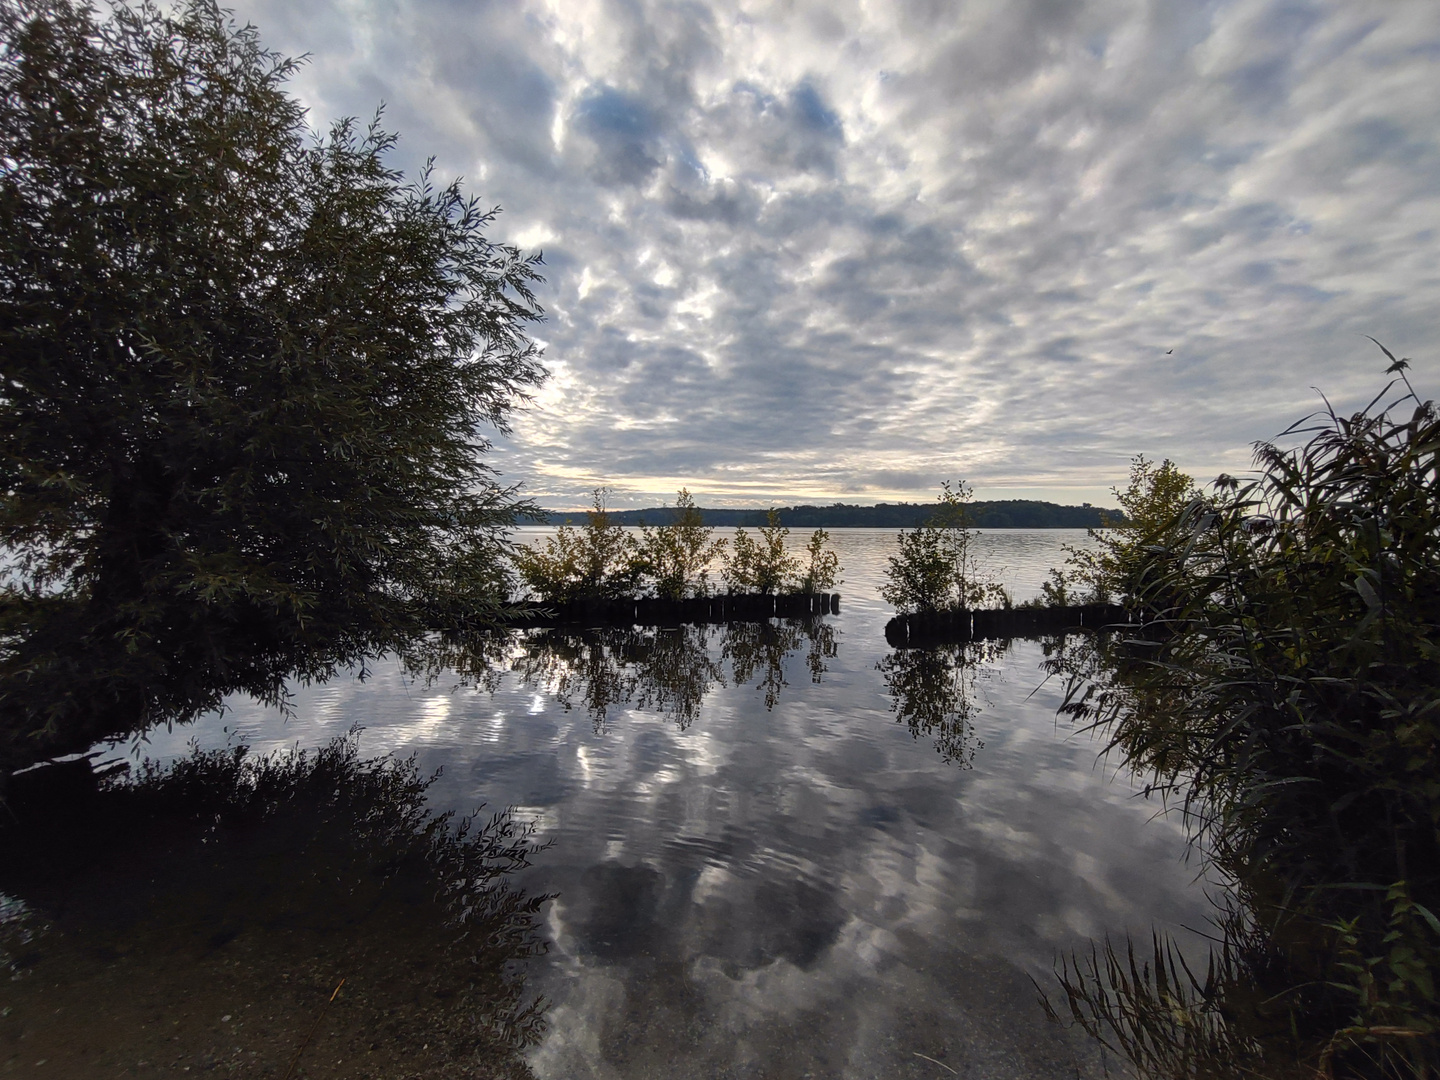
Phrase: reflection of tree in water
pixel 584 667
pixel 763 647
pixel 479 659
pixel 201 915
pixel 673 671
pixel 934 691
pixel 666 669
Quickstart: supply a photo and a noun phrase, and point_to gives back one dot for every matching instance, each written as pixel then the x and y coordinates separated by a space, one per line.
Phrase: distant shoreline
pixel 998 514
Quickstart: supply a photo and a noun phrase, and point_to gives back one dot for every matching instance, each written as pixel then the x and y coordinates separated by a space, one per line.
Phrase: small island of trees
pixel 601 572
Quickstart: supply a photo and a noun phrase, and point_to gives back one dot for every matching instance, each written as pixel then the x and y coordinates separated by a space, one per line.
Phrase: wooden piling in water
pixel 649 611
pixel 957 625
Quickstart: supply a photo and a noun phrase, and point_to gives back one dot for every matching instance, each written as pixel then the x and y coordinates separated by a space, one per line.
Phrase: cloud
pixel 796 247
pixel 624 133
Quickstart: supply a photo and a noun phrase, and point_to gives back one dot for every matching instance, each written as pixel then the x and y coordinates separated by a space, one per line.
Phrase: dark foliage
pixel 245 373
pixel 997 514
pixel 272 867
pixel 1284 687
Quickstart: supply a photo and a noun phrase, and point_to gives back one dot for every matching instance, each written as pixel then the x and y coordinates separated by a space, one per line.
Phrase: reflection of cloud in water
pixel 805 887
pixel 490 729
pixel 431 718
pixel 327 704
pixel 912 897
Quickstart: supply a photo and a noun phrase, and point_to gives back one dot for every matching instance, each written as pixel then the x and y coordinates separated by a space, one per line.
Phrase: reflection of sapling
pixel 935 693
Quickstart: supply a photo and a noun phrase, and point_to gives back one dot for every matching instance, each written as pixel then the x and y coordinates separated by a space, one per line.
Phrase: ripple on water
pixel 776 874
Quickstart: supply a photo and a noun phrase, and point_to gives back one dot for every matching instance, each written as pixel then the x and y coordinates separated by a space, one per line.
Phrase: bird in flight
pixel 1169 351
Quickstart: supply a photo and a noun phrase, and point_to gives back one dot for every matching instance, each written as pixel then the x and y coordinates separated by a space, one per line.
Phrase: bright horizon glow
pixel 644 500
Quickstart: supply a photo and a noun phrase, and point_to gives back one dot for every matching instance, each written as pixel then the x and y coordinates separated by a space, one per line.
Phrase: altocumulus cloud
pixel 837 249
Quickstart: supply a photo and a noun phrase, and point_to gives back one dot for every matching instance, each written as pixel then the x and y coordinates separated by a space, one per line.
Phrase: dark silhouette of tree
pixel 246 375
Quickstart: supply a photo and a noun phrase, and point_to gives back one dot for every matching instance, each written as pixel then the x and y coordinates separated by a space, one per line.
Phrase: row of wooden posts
pixel 919 628
pixel 930 627
pixel 698 609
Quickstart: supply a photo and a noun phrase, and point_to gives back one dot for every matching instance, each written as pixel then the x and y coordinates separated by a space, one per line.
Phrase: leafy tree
pixel 919 577
pixel 246 372
pixel 762 566
pixel 1285 688
pixel 598 561
pixel 822 571
pixel 937 567
pixel 1152 499
pixel 676 557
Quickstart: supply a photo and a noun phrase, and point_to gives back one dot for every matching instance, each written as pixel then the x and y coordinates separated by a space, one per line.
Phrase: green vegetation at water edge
pixel 673 561
pixel 1282 689
pixel 1105 572
pixel 246 374
pixel 936 567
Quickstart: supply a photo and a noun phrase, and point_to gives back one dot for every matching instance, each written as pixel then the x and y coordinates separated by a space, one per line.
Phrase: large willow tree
pixel 245 375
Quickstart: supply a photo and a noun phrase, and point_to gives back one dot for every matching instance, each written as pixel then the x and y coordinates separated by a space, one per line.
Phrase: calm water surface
pixel 764 870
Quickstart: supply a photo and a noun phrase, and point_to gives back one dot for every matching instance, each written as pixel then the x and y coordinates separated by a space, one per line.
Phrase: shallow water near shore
pixel 783 849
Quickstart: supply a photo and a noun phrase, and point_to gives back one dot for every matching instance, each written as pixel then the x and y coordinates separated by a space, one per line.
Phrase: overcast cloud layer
pixel 847 249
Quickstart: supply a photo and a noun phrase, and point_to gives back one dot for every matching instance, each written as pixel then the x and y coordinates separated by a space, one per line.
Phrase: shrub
pixel 677 557
pixel 600 560
pixel 1154 496
pixel 1286 687
pixel 822 572
pixel 937 568
pixel 762 566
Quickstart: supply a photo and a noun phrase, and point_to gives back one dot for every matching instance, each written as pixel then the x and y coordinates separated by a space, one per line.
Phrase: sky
pixel 809 252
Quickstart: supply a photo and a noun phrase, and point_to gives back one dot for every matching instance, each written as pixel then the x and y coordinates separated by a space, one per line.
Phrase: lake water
pixel 787 851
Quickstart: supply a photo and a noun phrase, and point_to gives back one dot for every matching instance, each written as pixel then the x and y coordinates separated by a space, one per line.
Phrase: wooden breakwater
pixel 642 611
pixel 938 627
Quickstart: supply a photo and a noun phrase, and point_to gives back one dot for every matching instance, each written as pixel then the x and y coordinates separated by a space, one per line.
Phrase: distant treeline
pixel 1001 514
